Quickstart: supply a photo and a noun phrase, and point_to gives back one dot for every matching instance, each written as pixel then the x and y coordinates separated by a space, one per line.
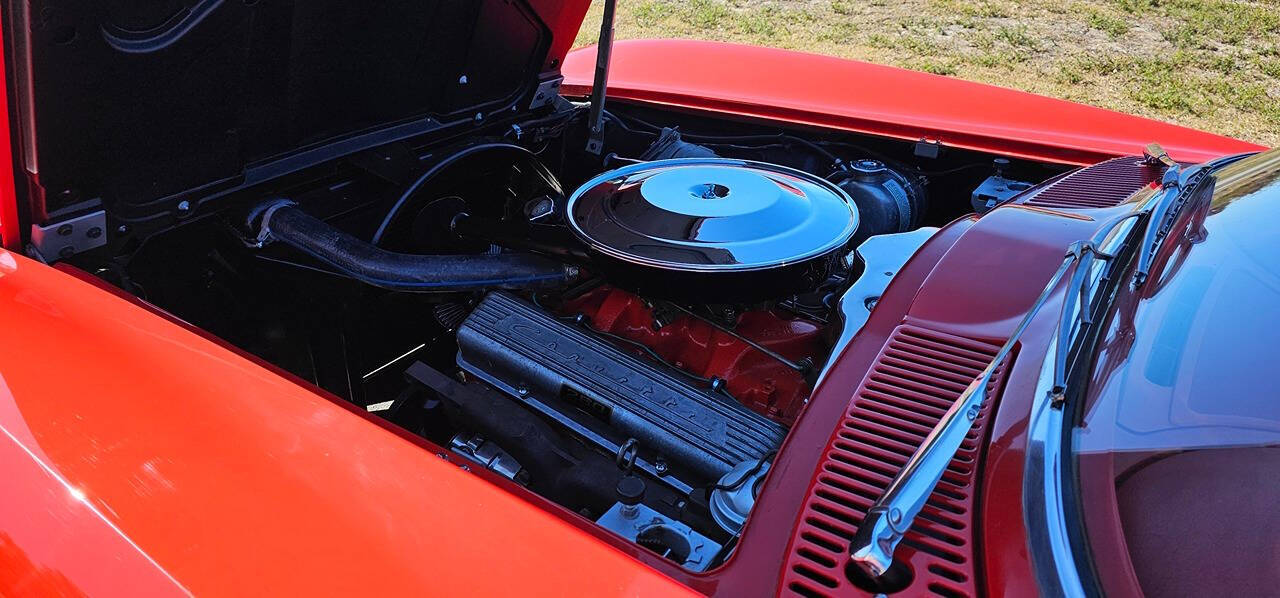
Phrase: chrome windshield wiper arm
pixel 894 512
pixel 1076 302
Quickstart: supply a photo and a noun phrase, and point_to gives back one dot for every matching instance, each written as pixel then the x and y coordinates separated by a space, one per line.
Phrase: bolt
pixel 660 467
pixel 67 251
pixel 93 233
pixel 64 230
pixel 462 80
pixel 522 391
pixel 479 117
pixel 122 229
pixel 895 516
pixel 184 206
pixel 730 316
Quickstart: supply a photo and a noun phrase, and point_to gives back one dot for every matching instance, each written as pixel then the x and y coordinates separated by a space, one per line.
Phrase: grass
pixel 1207 64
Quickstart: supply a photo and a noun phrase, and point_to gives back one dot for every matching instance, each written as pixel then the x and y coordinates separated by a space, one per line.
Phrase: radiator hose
pixel 283 221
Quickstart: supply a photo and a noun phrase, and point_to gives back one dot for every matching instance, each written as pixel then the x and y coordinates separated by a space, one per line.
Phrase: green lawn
pixel 1208 64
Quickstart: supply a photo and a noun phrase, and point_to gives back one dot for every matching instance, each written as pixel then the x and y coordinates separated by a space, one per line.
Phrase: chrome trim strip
pixel 1048 540
pixel 1043 480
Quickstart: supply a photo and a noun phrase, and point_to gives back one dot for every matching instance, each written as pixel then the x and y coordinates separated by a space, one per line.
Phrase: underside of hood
pixel 136 105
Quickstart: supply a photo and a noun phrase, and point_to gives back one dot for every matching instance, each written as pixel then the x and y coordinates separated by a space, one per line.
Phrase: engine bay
pixel 628 333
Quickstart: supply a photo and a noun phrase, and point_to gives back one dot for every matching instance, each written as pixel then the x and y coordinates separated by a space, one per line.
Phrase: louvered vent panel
pixel 1102 185
pixel 917 376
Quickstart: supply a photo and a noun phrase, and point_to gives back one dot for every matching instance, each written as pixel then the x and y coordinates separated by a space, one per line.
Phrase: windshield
pixel 1177 445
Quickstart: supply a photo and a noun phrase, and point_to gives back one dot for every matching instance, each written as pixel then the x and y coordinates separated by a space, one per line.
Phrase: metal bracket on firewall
pixel 65 238
pixel 548 90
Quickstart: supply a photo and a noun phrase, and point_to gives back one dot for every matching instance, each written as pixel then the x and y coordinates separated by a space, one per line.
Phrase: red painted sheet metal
pixel 752 378
pixel 564 18
pixel 917 376
pixel 151 460
pixel 855 96
pixel 975 294
pixel 1104 185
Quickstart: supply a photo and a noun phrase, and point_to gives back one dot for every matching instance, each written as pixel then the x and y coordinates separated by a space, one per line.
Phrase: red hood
pixel 856 96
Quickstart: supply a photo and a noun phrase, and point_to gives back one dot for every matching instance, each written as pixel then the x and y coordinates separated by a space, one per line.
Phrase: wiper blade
pixel 1076 301
pixel 1179 185
pixel 1077 304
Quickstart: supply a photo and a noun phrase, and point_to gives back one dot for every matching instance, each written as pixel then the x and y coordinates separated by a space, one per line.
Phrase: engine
pixel 763 358
pixel 634 348
pixel 690 346
pixel 644 352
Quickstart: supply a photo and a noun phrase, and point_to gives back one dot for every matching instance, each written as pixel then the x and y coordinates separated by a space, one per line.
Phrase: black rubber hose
pixel 281 220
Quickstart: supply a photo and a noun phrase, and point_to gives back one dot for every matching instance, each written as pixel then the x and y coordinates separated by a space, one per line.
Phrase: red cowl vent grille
pixel 1103 185
pixel 915 379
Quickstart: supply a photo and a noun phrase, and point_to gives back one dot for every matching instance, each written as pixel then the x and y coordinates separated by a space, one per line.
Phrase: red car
pixel 333 298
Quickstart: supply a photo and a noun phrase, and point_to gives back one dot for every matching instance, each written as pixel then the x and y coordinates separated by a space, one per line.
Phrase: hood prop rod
pixel 604 47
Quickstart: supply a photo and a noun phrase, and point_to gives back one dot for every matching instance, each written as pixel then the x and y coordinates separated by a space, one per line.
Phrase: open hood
pixel 142 104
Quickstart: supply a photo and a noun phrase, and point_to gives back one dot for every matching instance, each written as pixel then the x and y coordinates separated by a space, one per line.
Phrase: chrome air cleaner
pixel 713 229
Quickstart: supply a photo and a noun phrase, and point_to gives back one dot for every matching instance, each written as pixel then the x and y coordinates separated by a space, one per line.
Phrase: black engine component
pixel 492 181
pixel 607 396
pixel 713 230
pixel 669 145
pixel 556 468
pixel 888 201
pixel 280 220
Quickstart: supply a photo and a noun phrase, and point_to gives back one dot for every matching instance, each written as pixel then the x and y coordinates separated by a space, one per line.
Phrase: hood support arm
pixel 604 47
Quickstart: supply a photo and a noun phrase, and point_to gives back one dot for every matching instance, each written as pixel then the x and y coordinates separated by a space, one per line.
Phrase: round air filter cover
pixel 731 221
